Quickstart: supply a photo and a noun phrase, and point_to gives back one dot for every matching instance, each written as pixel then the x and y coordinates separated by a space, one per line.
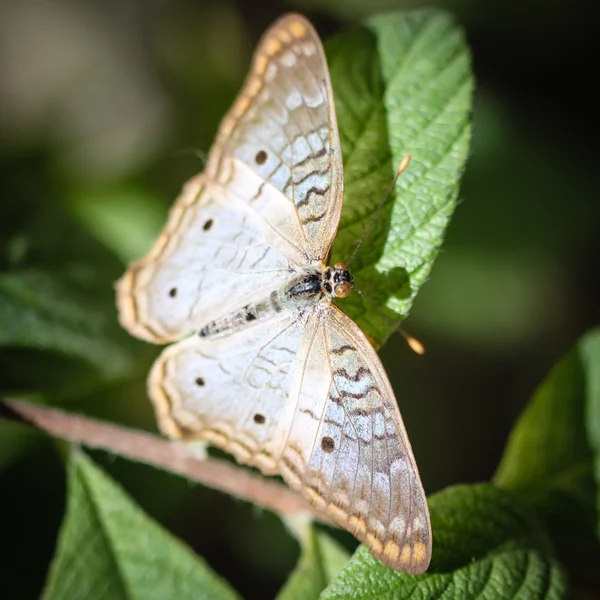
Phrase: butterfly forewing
pixel 346 448
pixel 283 129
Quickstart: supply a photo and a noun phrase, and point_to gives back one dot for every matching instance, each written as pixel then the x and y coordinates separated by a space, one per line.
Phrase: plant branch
pixel 169 455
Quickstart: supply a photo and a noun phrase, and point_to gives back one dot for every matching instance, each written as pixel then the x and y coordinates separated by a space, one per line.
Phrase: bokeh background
pixel 107 107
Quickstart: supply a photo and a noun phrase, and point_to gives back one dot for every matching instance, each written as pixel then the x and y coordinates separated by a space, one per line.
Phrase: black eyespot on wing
pixel 261 157
pixel 173 292
pixel 199 381
pixel 208 225
pixel 327 444
pixel 259 419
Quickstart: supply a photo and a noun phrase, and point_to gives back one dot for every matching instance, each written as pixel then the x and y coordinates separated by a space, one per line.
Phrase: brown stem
pixel 159 452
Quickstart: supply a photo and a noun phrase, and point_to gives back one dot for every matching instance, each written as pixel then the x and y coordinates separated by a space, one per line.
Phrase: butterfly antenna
pixel 413 343
pixel 401 167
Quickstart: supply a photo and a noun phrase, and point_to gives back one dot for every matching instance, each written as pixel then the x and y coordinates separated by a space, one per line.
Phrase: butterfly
pixel 265 366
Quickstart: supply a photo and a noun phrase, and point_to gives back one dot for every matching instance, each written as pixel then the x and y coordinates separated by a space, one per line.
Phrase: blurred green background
pixel 107 107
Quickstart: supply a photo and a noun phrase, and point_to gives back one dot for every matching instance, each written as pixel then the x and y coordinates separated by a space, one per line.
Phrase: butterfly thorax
pixel 302 293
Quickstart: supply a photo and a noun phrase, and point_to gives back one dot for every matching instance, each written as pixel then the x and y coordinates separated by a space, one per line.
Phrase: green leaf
pixel 125 218
pixel 552 459
pixel 320 560
pixel 58 328
pixel 402 85
pixel 41 311
pixel 108 548
pixel 486 546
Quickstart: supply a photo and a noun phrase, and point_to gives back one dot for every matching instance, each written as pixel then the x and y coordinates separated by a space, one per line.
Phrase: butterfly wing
pixel 283 129
pixel 230 391
pixel 346 449
pixel 213 256
pixel 268 202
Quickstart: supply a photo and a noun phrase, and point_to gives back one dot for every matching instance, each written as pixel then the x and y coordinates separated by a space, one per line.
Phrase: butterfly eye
pixel 199 381
pixel 173 292
pixel 327 444
pixel 342 290
pixel 259 419
pixel 261 157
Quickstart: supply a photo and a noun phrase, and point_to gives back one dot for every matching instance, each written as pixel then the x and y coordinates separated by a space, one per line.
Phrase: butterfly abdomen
pixel 233 321
pixel 301 293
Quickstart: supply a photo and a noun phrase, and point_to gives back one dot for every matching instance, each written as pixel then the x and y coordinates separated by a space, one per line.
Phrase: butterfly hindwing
pixel 212 256
pixel 230 391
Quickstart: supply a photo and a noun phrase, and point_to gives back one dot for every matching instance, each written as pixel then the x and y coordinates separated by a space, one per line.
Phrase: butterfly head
pixel 337 281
